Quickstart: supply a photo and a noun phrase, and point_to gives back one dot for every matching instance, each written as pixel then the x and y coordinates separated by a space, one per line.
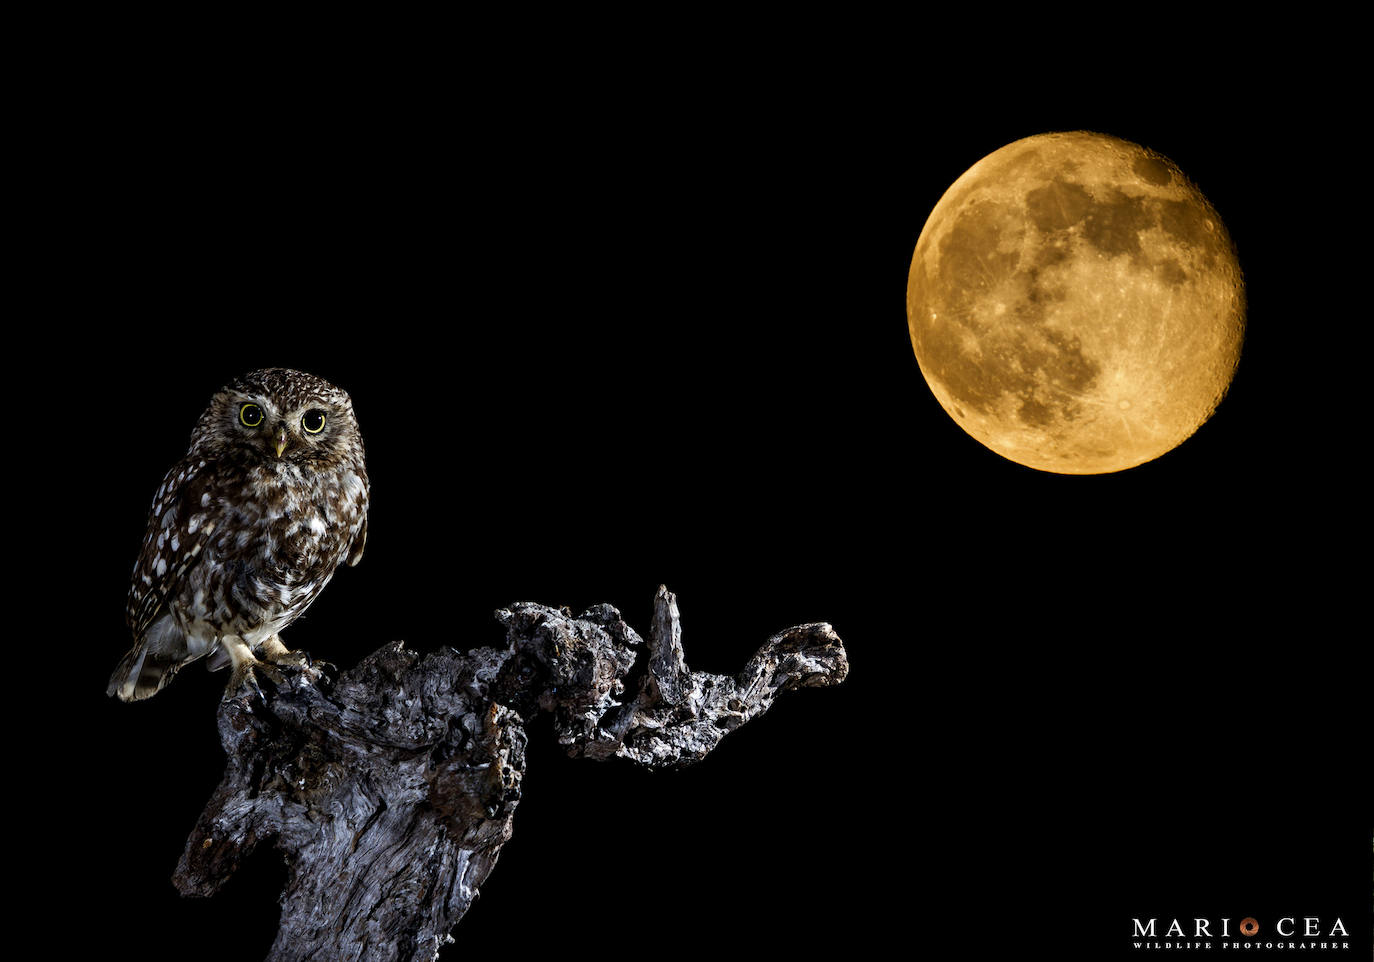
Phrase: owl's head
pixel 278 414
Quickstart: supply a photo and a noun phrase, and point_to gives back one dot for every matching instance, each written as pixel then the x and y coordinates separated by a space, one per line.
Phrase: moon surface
pixel 1076 304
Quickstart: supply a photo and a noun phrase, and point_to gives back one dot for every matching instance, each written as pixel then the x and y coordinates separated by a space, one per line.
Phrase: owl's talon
pixel 278 654
pixel 243 681
pixel 317 671
pixel 244 692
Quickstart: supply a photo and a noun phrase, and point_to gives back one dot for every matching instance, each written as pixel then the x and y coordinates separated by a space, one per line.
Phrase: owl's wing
pixel 355 550
pixel 180 524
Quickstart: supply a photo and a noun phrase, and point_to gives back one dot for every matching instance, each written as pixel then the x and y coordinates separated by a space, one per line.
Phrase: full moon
pixel 1076 304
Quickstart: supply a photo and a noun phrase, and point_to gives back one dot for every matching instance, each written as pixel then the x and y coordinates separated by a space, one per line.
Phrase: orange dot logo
pixel 1248 927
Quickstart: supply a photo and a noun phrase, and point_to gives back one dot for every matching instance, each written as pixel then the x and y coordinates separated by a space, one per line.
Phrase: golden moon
pixel 1076 304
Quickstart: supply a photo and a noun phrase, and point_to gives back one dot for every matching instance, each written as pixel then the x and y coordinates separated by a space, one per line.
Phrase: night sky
pixel 611 322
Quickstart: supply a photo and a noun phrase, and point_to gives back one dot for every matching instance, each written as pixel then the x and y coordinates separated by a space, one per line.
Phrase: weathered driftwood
pixel 392 790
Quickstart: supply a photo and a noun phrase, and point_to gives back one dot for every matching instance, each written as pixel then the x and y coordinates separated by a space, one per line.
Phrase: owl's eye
pixel 313 421
pixel 250 415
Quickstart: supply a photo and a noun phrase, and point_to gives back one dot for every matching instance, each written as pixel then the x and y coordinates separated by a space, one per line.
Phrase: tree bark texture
pixel 391 791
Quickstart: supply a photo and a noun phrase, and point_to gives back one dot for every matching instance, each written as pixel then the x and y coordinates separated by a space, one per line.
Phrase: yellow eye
pixel 250 415
pixel 313 422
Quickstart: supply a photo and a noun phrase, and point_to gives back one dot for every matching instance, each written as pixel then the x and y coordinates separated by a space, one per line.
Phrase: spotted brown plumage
pixel 245 531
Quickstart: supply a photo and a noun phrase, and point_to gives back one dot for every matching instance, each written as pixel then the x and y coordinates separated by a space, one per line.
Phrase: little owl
pixel 245 531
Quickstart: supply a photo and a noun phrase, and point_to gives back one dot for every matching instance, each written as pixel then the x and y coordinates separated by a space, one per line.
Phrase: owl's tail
pixel 152 662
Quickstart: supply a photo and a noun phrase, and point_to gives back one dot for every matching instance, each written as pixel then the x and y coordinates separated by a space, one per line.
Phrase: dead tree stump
pixel 391 791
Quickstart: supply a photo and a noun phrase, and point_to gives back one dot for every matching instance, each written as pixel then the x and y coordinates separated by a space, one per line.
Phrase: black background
pixel 622 313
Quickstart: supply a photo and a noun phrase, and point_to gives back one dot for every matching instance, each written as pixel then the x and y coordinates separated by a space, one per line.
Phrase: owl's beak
pixel 280 442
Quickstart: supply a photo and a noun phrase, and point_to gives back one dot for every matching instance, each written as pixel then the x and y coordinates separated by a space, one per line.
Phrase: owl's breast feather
pixel 289 526
pixel 310 519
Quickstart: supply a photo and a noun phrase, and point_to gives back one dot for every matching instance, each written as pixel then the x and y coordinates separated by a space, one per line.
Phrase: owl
pixel 245 531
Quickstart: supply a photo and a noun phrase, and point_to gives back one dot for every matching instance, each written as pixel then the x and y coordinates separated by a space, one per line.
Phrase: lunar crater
pixel 1153 169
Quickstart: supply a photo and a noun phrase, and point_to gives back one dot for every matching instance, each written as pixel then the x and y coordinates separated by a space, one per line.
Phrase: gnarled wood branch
pixel 392 790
